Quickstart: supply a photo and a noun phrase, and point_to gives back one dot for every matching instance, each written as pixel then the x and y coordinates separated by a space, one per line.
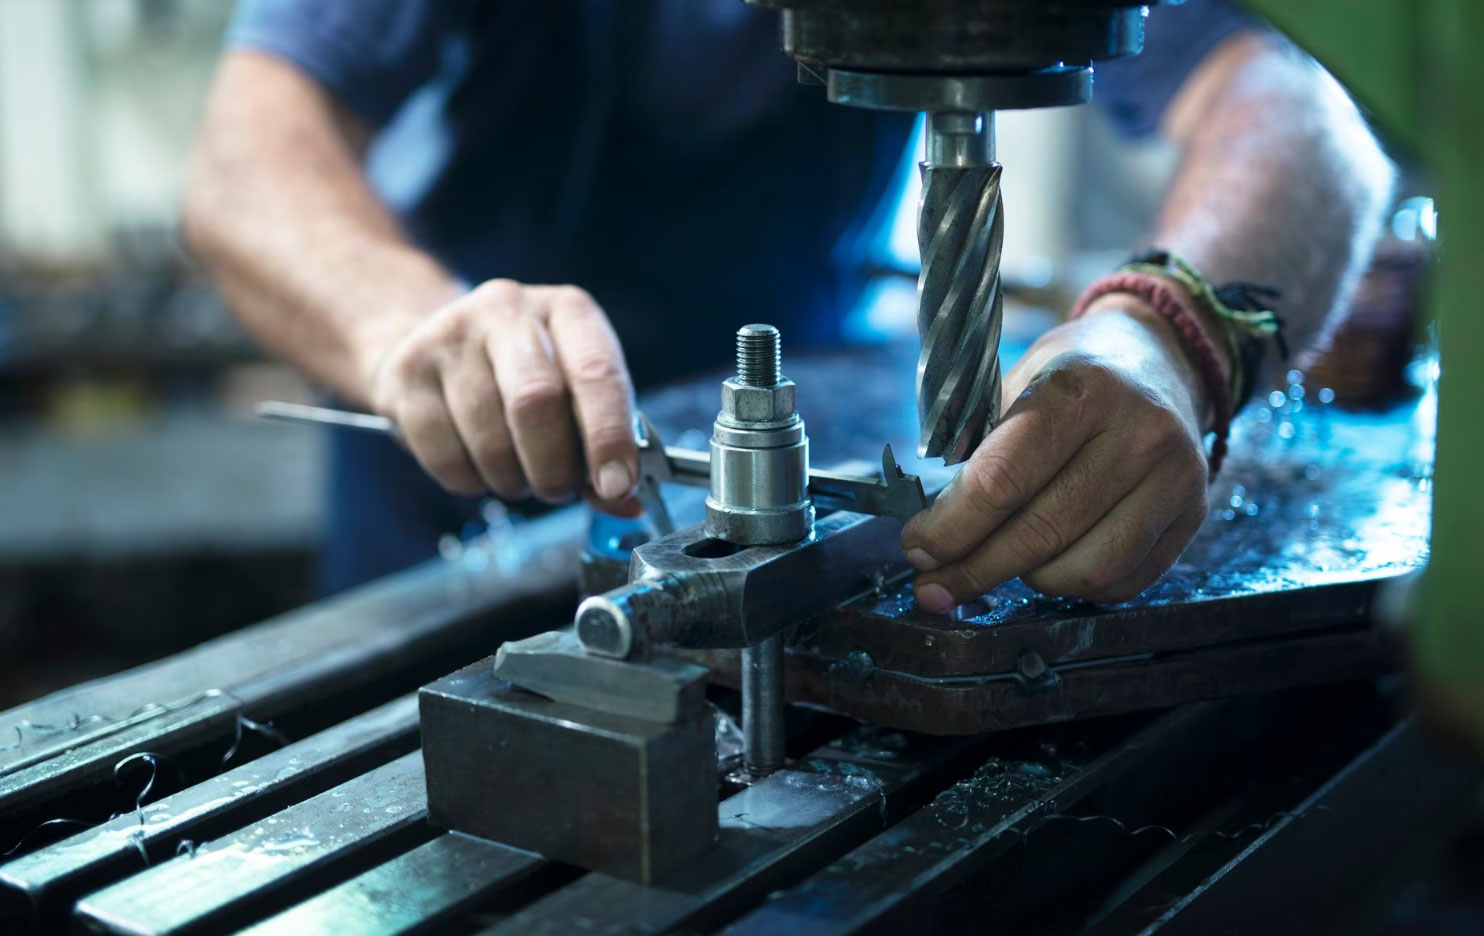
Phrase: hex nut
pixel 757 404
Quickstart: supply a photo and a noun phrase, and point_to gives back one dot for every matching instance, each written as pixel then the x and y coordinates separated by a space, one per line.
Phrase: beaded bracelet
pixel 1194 340
pixel 1244 311
pixel 1240 308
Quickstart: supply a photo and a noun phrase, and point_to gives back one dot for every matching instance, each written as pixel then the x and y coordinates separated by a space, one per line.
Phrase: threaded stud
pixel 759 356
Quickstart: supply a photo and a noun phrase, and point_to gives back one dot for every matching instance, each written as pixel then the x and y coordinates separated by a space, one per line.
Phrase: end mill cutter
pixel 960 234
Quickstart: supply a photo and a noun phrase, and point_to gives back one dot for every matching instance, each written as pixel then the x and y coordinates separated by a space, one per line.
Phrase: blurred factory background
pixel 142 509
pixel 138 514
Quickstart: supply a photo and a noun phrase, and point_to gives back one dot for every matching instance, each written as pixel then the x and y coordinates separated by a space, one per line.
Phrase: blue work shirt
pixel 658 153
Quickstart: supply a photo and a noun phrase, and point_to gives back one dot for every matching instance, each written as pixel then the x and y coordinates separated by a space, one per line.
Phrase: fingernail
pixel 935 598
pixel 613 480
pixel 920 560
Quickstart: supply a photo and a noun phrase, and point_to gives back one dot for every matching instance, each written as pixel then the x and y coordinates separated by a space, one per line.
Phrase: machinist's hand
pixel 1093 483
pixel 513 388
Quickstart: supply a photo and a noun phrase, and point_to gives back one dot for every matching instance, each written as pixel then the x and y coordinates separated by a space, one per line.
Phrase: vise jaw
pixel 611 767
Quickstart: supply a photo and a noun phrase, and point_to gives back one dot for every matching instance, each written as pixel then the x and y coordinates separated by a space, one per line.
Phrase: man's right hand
pixel 513 389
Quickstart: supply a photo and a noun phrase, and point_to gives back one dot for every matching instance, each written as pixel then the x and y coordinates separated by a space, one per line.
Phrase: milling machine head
pixel 958 61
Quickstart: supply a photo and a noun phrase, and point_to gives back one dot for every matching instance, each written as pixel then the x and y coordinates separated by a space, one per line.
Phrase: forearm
pixel 1098 476
pixel 279 209
pixel 1281 182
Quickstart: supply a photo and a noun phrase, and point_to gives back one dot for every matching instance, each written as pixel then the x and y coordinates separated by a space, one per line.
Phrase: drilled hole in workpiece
pixel 711 548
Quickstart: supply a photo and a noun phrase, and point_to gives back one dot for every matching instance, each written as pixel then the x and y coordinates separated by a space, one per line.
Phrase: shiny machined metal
pixel 1051 87
pixel 894 494
pixel 759 491
pixel 693 590
pixel 689 589
pixel 960 234
pixel 763 735
pixel 604 628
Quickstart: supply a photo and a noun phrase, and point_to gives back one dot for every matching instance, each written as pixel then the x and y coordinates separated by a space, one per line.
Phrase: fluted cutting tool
pixel 958 61
pixel 960 234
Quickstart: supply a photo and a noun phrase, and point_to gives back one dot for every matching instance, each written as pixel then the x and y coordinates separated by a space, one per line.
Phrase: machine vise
pixel 612 734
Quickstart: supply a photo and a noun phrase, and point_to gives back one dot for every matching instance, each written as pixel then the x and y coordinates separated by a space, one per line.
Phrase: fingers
pixel 1058 412
pixel 1098 566
pixel 1168 550
pixel 408 390
pixel 1161 558
pixel 478 414
pixel 429 431
pixel 602 395
pixel 507 387
pixel 537 408
pixel 1131 547
pixel 1092 486
pixel 1087 488
pixel 623 507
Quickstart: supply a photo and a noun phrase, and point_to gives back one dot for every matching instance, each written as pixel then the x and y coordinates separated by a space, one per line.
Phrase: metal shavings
pixel 742 817
pixel 136 839
pixel 1231 835
pixel 997 781
pixel 263 728
pixel 50 822
pixel 41 731
pixel 152 758
pixel 149 757
pixel 729 743
pixel 72 725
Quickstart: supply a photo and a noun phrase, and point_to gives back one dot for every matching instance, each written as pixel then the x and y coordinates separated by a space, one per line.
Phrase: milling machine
pixel 606 759
pixel 757 565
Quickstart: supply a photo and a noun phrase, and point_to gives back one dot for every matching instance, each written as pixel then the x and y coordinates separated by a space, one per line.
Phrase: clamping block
pixel 609 792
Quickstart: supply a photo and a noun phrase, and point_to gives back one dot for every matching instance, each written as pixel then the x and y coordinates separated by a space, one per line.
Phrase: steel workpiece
pixel 759 452
pixel 692 590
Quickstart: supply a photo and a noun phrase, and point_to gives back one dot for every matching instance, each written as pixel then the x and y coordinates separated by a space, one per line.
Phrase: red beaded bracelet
pixel 1194 339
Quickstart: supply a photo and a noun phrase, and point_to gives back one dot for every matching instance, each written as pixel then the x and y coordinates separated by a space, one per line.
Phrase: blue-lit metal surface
pixel 1330 503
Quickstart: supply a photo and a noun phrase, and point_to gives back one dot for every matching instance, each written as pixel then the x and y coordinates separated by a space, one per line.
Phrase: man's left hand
pixel 1093 483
